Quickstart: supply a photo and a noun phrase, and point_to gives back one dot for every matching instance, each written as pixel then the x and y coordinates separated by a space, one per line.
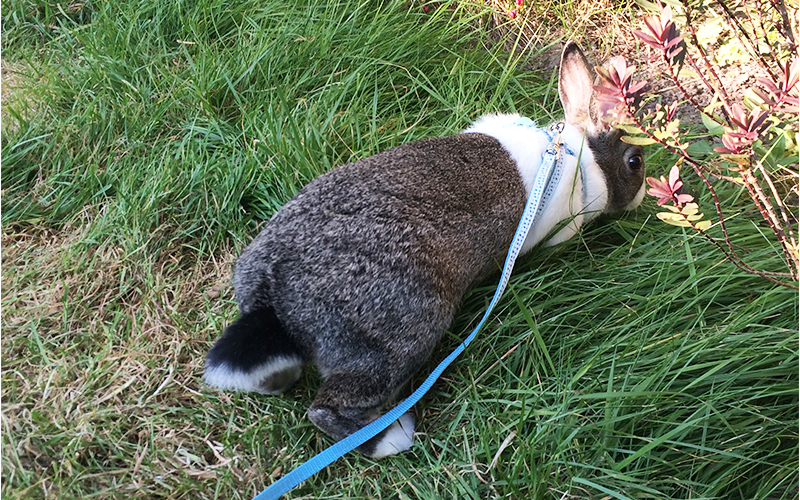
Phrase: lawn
pixel 143 145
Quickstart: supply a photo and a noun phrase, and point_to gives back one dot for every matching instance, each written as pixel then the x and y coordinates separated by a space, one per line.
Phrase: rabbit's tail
pixel 254 354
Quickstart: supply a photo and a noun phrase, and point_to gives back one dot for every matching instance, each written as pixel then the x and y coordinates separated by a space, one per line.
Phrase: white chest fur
pixel 581 193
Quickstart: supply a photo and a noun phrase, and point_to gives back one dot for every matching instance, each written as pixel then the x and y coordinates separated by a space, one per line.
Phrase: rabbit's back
pixel 384 246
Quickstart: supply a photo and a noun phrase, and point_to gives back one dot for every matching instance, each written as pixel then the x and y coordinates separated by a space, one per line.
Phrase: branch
pixel 786 223
pixel 768 213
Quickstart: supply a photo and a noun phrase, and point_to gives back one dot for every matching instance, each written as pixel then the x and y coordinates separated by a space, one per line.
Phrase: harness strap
pixel 549 173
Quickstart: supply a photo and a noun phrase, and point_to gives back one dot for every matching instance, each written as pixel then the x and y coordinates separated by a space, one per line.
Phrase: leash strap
pixel 549 174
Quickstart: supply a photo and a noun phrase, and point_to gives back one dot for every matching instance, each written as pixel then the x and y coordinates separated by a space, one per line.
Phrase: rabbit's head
pixel 622 163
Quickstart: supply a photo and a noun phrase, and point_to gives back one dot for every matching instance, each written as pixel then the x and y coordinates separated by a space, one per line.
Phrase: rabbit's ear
pixel 575 80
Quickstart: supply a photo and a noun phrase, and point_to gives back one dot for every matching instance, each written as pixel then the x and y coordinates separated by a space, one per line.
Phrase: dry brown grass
pixel 600 26
pixel 71 413
pixel 17 85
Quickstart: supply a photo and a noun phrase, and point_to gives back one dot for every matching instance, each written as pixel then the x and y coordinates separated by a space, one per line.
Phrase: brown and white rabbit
pixel 364 269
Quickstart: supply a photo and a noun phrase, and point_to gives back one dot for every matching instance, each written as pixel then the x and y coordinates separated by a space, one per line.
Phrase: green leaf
pixel 686 72
pixel 638 141
pixel 742 159
pixel 631 129
pixel 684 217
pixel 699 149
pixel 712 126
pixel 690 209
pixel 650 6
pixel 752 100
pixel 673 219
pixel 703 225
pixel 776 151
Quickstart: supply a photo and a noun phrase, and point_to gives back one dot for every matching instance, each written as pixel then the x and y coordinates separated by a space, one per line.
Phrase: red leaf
pixel 647 39
pixel 636 87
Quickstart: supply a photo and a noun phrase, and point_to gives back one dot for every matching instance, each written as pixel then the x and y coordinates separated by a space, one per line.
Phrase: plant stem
pixel 786 223
pixel 768 213
pixel 787 24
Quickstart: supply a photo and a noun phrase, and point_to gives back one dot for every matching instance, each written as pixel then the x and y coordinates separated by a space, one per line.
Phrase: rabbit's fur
pixel 363 270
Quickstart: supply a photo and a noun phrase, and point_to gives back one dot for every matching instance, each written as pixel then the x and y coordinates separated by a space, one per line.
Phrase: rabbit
pixel 364 269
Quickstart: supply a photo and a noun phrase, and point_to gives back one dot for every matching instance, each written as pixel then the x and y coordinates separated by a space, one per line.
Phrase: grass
pixel 151 139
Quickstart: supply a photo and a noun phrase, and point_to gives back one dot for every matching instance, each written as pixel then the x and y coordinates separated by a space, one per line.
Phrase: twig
pixel 787 24
pixel 786 223
pixel 768 213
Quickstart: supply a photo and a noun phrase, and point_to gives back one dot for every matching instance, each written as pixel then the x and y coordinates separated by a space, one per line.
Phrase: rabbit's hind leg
pixel 347 402
pixel 254 354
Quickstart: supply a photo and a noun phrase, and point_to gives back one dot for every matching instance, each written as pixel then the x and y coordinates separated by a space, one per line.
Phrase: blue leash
pixel 547 176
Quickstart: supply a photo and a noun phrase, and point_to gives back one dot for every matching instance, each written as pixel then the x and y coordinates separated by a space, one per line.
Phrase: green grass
pixel 149 142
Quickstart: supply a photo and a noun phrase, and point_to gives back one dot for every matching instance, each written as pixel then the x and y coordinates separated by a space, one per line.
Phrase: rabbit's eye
pixel 635 162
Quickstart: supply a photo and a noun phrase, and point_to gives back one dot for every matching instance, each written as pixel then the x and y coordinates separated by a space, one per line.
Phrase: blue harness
pixel 547 178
